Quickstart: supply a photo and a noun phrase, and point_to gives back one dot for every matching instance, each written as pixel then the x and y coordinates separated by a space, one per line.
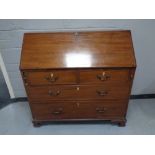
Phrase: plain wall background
pixel 143 34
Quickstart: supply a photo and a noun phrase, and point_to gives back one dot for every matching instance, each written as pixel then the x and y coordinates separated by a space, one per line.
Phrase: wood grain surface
pixel 74 50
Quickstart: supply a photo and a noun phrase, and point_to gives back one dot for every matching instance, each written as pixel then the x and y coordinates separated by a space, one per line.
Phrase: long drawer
pixel 78 92
pixel 79 110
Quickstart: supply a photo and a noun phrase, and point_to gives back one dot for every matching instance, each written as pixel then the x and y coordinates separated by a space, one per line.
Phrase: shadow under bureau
pixel 72 76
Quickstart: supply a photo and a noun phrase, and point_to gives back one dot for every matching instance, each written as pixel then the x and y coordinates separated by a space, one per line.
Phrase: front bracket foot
pixel 36 123
pixel 121 123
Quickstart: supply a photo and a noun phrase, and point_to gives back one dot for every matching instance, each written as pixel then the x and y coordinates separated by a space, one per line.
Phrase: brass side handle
pixel 52 78
pixel 25 78
pixel 51 93
pixel 103 76
pixel 58 112
pixel 102 92
pixel 101 110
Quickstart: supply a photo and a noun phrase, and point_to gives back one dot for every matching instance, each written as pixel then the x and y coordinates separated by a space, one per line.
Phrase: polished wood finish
pixel 74 50
pixel 78 76
pixel 78 92
pixel 82 76
pixel 79 110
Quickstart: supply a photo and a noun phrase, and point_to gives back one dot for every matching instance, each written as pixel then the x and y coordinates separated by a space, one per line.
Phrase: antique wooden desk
pixel 78 76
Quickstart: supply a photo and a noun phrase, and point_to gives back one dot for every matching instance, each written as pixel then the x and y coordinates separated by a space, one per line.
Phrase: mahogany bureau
pixel 71 76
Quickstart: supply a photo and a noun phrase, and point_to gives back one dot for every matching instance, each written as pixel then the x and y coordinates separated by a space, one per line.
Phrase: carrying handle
pixel 58 112
pixel 102 92
pixel 103 76
pixel 101 110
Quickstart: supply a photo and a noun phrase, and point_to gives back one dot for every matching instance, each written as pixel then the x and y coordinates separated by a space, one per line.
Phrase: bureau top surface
pixel 77 50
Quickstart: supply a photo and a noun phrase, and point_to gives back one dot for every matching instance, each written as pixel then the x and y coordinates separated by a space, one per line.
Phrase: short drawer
pixel 78 92
pixel 50 77
pixel 100 76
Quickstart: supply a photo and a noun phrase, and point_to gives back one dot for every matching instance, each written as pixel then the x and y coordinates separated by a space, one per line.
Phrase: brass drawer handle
pixel 77 88
pixel 58 112
pixel 103 77
pixel 51 78
pixel 101 110
pixel 102 93
pixel 54 93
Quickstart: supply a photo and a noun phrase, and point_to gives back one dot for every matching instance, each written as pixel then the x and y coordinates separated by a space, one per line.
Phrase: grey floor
pixel 16 119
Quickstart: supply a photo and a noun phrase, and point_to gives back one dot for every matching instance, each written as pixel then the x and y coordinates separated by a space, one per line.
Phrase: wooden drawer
pixel 79 92
pixel 79 110
pixel 51 77
pixel 99 76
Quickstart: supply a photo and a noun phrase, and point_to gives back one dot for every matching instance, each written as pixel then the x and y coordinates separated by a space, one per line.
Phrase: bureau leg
pixel 36 123
pixel 121 122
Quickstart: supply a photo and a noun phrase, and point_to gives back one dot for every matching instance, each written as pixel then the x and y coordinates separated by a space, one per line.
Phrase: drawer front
pixel 99 76
pixel 80 92
pixel 79 110
pixel 51 77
